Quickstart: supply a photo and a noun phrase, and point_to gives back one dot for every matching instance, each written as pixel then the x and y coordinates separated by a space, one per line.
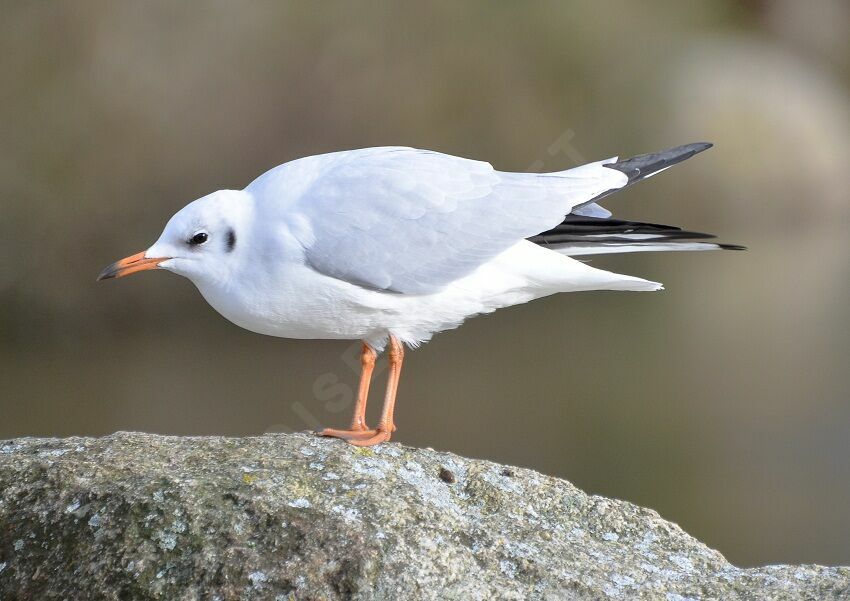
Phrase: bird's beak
pixel 131 264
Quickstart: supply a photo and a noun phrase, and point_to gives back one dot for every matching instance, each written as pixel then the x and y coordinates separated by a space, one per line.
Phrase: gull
pixel 391 245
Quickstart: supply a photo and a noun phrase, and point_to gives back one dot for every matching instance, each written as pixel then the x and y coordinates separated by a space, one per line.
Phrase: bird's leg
pixel 368 356
pixel 358 421
pixel 386 426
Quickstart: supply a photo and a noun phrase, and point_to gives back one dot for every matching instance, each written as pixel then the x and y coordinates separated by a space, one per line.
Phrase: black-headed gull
pixel 391 245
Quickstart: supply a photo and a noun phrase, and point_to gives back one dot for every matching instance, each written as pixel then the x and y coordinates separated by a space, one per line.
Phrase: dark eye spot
pixel 231 240
pixel 198 238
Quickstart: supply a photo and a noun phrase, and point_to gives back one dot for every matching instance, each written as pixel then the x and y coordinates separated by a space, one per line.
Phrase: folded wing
pixel 412 221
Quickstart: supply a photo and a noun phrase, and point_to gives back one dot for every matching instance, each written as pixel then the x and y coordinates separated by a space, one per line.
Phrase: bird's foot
pixel 347 434
pixel 360 438
pixel 380 435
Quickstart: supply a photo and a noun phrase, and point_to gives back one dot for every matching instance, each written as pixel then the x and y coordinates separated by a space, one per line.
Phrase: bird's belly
pixel 300 303
pixel 311 306
pixel 291 316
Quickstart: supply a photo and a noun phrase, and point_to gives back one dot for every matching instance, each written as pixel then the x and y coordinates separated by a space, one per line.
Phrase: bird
pixel 390 245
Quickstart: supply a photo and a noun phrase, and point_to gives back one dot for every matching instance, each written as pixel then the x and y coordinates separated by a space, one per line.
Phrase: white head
pixel 201 241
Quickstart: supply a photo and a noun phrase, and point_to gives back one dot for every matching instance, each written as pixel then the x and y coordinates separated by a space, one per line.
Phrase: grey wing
pixel 412 221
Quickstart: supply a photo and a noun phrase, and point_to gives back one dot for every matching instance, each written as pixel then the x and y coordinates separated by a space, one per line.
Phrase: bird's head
pixel 201 241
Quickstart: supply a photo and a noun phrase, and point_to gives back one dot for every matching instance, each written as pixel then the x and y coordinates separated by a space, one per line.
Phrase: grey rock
pixel 280 517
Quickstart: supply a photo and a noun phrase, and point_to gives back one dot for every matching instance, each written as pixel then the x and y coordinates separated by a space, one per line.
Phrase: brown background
pixel 722 402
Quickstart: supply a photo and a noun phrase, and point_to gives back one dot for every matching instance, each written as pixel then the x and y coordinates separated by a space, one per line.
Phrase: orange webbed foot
pixel 349 435
pixel 380 435
pixel 360 438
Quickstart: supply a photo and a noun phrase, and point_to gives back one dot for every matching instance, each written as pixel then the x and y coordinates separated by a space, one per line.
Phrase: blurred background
pixel 723 402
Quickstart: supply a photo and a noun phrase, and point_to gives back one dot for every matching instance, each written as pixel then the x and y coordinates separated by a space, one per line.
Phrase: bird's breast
pixel 296 302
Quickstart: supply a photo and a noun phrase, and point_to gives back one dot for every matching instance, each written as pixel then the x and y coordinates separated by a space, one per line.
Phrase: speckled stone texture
pixel 138 516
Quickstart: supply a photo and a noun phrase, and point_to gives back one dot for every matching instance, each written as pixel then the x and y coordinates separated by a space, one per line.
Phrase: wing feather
pixel 412 221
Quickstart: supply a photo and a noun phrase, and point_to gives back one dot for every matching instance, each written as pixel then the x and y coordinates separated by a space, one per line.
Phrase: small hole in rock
pixel 447 475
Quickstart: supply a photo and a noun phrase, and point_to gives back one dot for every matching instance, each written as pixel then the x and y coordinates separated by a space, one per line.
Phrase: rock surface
pixel 138 516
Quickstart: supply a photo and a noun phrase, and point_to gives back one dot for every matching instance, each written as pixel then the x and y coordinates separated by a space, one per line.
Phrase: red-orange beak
pixel 131 264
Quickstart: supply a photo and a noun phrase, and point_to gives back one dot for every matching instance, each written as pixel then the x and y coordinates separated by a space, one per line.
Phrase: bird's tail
pixel 591 230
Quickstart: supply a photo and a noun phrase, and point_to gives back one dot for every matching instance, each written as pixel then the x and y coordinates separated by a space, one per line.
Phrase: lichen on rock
pixel 140 516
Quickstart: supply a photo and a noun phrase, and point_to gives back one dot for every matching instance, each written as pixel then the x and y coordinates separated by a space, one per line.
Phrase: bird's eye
pixel 198 238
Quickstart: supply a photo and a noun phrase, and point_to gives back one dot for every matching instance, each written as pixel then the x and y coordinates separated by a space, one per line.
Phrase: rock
pixel 293 516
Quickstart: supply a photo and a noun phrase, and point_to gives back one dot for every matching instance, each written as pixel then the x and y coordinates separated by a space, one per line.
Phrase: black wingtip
pixel 598 231
pixel 643 165
pixel 699 146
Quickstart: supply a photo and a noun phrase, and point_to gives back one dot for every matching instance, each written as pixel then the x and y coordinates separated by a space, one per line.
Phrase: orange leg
pixel 386 426
pixel 368 356
pixel 359 435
